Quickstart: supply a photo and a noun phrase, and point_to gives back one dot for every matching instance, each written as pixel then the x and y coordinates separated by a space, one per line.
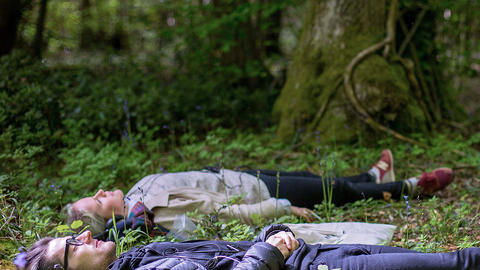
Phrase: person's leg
pixel 360 178
pixel 308 191
pixel 346 192
pixel 380 257
pixel 300 191
pixel 282 173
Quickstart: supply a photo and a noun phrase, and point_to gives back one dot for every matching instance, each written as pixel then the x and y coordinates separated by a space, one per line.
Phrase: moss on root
pixel 314 80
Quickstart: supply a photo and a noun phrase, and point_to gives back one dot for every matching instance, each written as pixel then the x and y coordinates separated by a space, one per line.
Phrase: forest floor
pixel 448 221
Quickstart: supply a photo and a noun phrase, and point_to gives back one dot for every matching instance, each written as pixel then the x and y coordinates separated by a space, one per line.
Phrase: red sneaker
pixel 435 180
pixel 385 167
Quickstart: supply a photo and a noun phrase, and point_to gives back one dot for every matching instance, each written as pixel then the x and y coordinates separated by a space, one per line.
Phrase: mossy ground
pixel 7 249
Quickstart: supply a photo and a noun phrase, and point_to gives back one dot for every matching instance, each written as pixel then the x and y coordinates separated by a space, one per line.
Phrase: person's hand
pixel 285 242
pixel 305 213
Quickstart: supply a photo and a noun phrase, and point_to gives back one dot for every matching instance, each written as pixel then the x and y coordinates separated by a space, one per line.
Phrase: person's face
pixel 93 254
pixel 102 203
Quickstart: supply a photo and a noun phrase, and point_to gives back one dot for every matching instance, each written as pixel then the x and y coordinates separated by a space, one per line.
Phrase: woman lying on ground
pixel 274 249
pixel 164 196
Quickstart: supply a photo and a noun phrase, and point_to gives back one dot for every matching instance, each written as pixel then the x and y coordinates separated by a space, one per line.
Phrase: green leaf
pixel 76 224
pixel 63 228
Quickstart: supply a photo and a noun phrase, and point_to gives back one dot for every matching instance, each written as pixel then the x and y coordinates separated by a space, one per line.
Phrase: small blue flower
pixel 125 133
pixel 198 107
pixel 125 108
pixel 21 260
pixel 52 186
pixel 408 206
pixel 165 126
pixel 125 105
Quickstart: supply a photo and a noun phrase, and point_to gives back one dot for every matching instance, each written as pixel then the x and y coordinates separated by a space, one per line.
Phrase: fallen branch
pixel 464 166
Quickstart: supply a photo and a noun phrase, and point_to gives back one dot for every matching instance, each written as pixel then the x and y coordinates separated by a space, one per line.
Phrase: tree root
pixel 412 31
pixel 390 38
pixel 408 66
pixel 323 108
pixel 428 94
pixel 349 88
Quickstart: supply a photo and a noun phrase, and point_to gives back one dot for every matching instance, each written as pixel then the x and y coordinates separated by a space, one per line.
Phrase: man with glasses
pixel 274 248
pixel 69 253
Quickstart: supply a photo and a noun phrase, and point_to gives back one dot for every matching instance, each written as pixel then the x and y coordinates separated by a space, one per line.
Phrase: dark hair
pixel 37 258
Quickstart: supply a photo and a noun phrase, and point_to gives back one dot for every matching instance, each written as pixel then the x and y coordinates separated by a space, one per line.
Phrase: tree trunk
pixel 119 39
pixel 313 98
pixel 270 39
pixel 10 14
pixel 86 31
pixel 38 43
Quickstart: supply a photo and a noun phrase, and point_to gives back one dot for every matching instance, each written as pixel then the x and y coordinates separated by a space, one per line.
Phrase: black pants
pixel 384 257
pixel 305 189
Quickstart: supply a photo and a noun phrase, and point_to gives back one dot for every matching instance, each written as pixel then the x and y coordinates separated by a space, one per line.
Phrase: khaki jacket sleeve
pixel 188 199
pixel 268 209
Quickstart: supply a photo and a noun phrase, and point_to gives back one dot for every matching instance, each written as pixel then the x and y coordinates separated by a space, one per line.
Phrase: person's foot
pixel 383 169
pixel 430 182
pixel 435 180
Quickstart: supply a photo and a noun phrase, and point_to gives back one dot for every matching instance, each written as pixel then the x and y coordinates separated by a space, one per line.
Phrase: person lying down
pixel 275 248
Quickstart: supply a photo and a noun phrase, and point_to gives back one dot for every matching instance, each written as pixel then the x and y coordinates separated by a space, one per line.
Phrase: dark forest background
pixel 98 93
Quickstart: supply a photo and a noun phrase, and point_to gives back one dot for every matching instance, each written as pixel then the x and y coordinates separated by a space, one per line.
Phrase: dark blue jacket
pixel 206 254
pixel 202 255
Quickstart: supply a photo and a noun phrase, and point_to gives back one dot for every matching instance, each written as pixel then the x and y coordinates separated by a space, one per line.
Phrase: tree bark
pixel 313 98
pixel 10 15
pixel 119 39
pixel 38 42
pixel 86 31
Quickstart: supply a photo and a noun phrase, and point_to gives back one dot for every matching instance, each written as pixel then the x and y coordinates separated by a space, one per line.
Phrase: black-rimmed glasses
pixel 72 241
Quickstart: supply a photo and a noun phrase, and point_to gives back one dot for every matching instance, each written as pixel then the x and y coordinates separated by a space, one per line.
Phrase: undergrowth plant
pixel 326 206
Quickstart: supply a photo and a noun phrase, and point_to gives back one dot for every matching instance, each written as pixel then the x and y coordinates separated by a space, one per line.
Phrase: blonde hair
pixel 96 222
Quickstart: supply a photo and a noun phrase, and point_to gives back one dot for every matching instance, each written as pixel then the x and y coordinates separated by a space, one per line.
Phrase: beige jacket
pixel 172 194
